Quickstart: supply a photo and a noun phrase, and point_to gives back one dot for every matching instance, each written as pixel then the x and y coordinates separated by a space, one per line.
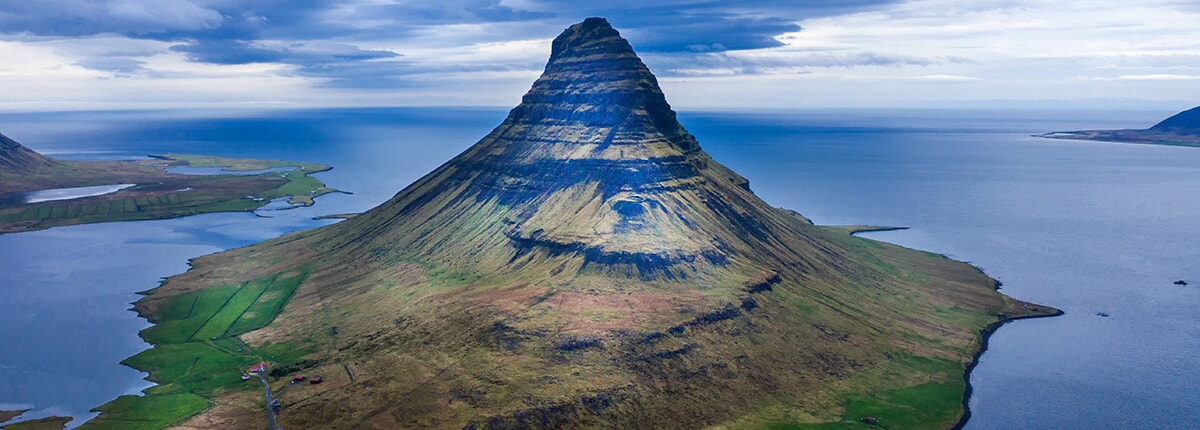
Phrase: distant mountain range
pixel 1181 129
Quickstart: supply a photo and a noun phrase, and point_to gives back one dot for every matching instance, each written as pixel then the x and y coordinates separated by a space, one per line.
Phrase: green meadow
pixel 197 354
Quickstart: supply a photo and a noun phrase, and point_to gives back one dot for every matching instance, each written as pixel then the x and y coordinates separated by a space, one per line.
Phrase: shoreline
pixel 986 333
pixel 1138 137
pixel 856 229
pixel 158 193
pixel 50 422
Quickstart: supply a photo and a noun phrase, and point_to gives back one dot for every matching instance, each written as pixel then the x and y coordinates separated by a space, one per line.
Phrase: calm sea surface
pixel 1083 226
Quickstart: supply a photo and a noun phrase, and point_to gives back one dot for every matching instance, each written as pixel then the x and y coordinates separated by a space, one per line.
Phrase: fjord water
pixel 1087 227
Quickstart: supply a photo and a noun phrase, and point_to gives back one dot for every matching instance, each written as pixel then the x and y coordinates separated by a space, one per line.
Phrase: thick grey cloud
pixel 90 17
pixel 281 31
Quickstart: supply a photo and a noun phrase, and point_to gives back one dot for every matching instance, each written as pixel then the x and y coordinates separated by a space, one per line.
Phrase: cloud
pixel 668 26
pixel 487 51
pixel 374 44
pixel 89 17
pixel 1151 77
pixel 767 61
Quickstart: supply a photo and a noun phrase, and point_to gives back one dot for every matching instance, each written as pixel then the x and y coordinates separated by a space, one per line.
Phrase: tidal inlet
pixel 586 264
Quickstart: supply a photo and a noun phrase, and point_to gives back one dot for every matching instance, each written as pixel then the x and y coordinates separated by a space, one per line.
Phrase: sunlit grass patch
pixel 148 412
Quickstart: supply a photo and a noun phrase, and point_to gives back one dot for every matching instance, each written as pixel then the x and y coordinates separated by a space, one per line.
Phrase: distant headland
pixel 39 192
pixel 1182 129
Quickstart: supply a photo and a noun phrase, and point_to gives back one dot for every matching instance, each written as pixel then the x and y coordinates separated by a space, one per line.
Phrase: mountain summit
pixel 593 165
pixel 587 264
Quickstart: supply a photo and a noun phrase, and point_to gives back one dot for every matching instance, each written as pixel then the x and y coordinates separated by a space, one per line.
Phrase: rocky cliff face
pixel 17 159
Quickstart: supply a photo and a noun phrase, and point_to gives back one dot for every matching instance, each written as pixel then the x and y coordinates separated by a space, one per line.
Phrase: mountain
pixel 17 159
pixel 1186 122
pixel 1181 129
pixel 585 264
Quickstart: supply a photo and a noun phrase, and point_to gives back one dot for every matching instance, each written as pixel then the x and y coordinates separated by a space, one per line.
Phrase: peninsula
pixel 48 423
pixel 1182 129
pixel 38 192
pixel 585 265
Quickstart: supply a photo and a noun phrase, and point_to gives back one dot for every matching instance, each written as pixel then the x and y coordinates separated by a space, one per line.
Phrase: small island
pixel 38 192
pixel 1182 129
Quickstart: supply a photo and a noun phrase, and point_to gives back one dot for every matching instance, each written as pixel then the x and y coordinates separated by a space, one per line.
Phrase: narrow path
pixel 271 424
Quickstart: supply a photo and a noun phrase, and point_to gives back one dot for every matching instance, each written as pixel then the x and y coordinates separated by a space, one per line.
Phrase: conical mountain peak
pixel 592 36
pixel 594 164
pixel 587 265
pixel 596 91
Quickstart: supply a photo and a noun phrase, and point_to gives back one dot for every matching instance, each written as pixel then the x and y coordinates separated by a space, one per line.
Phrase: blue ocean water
pixel 1087 227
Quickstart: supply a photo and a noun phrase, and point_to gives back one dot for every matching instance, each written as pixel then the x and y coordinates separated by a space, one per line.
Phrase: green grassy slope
pixel 197 354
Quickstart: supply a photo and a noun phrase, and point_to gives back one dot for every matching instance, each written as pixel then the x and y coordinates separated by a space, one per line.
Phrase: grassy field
pixel 220 323
pixel 158 194
pixel 934 403
pixel 148 412
pixel 197 354
pixel 267 306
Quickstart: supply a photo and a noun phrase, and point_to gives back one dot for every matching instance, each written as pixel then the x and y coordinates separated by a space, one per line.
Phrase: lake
pixel 1087 227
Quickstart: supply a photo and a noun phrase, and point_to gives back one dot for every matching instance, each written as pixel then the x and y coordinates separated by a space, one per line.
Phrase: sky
pixel 707 54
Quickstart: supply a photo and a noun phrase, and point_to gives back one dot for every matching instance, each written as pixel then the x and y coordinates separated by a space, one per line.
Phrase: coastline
pixel 986 333
pixel 158 193
pixel 45 423
pixel 1140 137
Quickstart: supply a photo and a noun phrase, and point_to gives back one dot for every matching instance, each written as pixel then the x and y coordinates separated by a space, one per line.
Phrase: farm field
pixel 198 353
